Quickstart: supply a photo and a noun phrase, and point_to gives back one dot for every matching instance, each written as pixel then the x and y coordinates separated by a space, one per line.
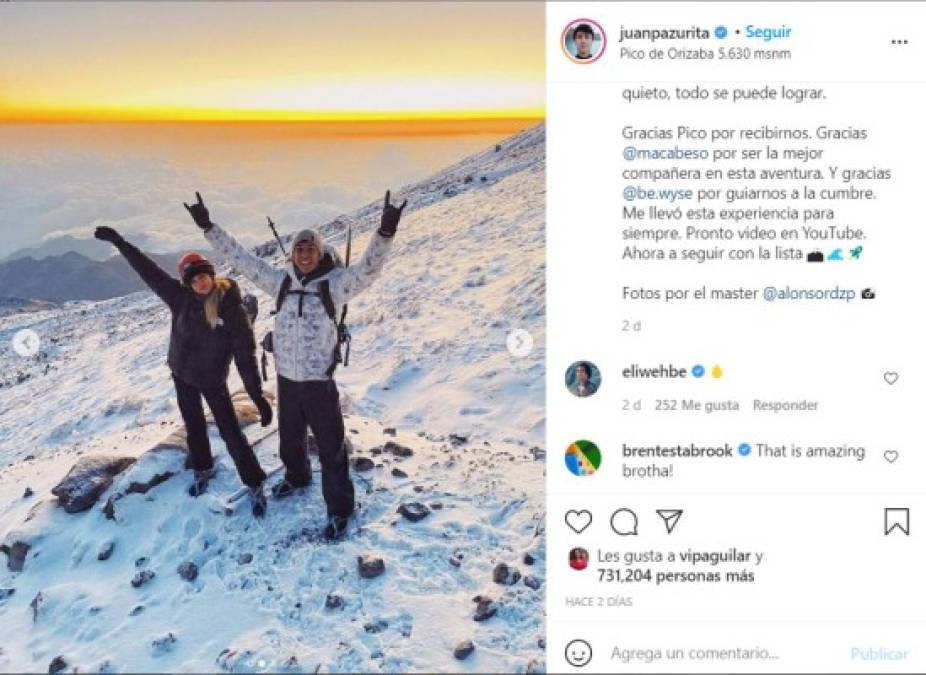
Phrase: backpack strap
pixel 324 292
pixel 284 289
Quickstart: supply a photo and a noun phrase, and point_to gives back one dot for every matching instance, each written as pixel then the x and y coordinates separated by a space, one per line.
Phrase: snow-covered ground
pixel 428 358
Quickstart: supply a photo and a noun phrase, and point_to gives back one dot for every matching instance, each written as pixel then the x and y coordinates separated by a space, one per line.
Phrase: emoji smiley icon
pixel 578 653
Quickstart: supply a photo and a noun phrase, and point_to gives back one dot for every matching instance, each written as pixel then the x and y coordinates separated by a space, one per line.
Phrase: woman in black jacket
pixel 209 326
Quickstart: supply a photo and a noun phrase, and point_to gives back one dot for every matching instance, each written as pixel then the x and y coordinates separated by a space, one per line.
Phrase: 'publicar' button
pixel 879 654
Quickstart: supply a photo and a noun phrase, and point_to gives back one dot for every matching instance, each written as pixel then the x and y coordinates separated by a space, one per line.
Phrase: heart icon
pixel 891 456
pixel 891 377
pixel 578 521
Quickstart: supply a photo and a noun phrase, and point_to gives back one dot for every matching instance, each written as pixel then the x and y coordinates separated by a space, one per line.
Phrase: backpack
pixel 249 302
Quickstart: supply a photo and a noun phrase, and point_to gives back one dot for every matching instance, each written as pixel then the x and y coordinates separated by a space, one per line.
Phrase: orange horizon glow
pixel 440 64
pixel 330 128
pixel 227 115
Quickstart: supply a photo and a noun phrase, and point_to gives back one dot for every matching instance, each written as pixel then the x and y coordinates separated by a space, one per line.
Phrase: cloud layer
pixel 57 180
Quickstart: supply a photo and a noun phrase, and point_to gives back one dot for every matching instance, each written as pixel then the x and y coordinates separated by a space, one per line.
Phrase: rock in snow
pixel 397 449
pixel 142 487
pixel 109 508
pixel 36 605
pixel 377 626
pixel 463 650
pixel 106 551
pixel 188 571
pixel 15 555
pixel 505 575
pixel 532 582
pixel 414 511
pixel 370 566
pixel 363 464
pixel 87 480
pixel 485 608
pixel 163 644
pixel 142 578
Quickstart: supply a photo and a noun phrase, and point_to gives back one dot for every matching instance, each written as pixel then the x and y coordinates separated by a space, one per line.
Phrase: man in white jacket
pixel 305 347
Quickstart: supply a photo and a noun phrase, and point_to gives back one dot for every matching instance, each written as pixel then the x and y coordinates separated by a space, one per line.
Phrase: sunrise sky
pixel 339 61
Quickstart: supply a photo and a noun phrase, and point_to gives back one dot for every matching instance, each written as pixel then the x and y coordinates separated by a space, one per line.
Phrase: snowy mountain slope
pixel 262 587
pixel 466 270
pixel 428 357
pixel 99 378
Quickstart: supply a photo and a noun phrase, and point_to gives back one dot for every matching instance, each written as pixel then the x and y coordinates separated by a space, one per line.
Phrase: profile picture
pixel 583 379
pixel 584 41
pixel 583 458
pixel 578 558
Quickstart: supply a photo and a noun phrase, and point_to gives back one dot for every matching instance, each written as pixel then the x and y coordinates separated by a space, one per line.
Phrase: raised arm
pixel 348 282
pixel 164 286
pixel 264 275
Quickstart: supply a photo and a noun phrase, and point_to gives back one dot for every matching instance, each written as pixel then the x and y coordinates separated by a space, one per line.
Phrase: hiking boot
pixel 286 489
pixel 258 501
pixel 201 482
pixel 336 527
pixel 283 489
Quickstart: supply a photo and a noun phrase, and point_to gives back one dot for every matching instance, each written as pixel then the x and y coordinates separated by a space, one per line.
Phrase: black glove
pixel 200 214
pixel 104 233
pixel 390 219
pixel 266 412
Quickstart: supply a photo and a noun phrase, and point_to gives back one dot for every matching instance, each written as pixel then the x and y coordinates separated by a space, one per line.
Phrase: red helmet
pixel 192 264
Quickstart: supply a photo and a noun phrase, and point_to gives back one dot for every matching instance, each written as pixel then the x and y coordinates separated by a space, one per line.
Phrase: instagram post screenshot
pixel 462 337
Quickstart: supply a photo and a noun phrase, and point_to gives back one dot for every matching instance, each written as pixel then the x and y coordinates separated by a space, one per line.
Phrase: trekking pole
pixel 274 230
pixel 349 230
pixel 344 335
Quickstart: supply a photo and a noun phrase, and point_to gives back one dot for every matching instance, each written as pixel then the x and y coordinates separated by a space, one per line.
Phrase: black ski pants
pixel 315 404
pixel 190 401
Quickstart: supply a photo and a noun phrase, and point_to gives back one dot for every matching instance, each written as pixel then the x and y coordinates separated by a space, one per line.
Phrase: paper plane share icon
pixel 670 517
